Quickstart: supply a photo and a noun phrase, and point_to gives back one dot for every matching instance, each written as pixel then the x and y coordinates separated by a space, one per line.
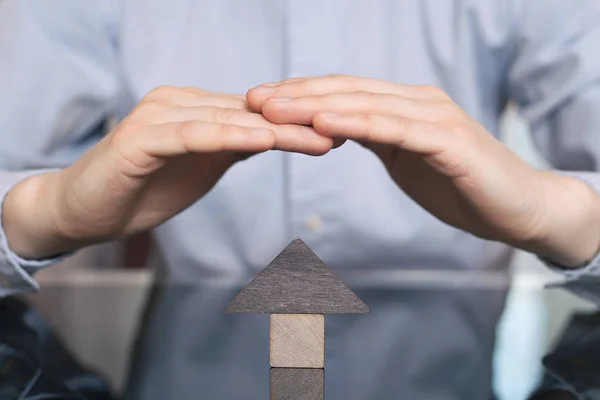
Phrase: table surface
pixel 538 324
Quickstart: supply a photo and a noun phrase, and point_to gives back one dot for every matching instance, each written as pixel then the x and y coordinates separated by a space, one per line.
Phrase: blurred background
pixel 96 305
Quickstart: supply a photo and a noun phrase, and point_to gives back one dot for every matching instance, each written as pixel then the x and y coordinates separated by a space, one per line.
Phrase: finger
pixel 288 80
pixel 185 137
pixel 209 111
pixel 257 95
pixel 301 110
pixel 157 113
pixel 411 135
pixel 201 92
pixel 339 84
pixel 237 102
pixel 288 137
pixel 193 97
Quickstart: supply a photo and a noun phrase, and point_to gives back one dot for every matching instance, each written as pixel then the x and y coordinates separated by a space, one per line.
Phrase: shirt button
pixel 314 222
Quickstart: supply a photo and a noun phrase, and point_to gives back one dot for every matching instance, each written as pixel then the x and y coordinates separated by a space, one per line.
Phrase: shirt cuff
pixel 585 280
pixel 16 273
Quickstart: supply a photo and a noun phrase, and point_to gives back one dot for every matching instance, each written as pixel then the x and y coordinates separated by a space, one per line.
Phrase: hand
pixel 445 160
pixel 163 157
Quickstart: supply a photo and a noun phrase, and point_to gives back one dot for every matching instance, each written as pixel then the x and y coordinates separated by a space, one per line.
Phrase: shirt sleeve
pixel 58 84
pixel 555 79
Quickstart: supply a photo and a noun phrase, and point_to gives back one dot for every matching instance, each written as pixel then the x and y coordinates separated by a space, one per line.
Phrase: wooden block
pixel 297 340
pixel 297 384
pixel 297 281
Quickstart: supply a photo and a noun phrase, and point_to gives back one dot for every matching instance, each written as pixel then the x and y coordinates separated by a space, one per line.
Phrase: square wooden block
pixel 297 340
pixel 297 384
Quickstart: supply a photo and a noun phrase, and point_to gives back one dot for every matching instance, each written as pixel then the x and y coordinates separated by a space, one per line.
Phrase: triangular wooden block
pixel 297 281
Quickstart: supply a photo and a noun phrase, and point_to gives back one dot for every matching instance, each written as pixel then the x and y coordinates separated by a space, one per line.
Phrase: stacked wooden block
pixel 297 289
pixel 297 356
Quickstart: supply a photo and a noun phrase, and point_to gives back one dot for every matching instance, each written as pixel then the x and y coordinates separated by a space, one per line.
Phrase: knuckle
pixel 147 111
pixel 370 119
pixel 163 91
pixel 227 130
pixel 403 124
pixel 223 114
pixel 404 130
pixel 402 127
pixel 194 90
pixel 184 129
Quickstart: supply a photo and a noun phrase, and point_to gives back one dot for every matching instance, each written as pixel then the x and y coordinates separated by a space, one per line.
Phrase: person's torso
pixel 424 322
pixel 344 204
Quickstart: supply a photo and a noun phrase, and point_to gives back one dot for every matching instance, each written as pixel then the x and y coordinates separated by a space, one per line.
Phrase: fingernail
pixel 329 115
pixel 279 99
pixel 261 132
pixel 264 90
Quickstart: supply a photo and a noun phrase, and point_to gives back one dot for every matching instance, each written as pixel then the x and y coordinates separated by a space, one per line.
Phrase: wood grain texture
pixel 297 340
pixel 297 282
pixel 297 384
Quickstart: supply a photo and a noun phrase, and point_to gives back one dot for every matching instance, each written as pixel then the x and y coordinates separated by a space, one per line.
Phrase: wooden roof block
pixel 297 281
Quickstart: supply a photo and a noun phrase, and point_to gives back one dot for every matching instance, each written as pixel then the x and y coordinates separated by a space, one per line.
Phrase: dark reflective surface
pixel 185 351
pixel 574 363
pixel 34 364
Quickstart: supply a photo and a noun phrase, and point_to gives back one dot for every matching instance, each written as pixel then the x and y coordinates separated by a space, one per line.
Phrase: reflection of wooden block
pixel 297 384
pixel 297 340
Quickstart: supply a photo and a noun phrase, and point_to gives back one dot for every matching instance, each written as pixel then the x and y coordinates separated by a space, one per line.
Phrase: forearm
pixel 571 234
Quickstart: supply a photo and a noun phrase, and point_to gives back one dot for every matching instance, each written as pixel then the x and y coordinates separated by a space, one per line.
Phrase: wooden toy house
pixel 297 289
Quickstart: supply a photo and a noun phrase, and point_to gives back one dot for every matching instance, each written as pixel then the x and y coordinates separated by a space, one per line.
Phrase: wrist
pixel 571 230
pixel 28 218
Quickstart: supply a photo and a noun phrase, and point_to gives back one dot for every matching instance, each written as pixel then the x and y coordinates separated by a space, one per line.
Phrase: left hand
pixel 441 157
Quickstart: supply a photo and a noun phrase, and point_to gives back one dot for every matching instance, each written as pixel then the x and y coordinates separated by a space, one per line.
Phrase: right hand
pixel 169 152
